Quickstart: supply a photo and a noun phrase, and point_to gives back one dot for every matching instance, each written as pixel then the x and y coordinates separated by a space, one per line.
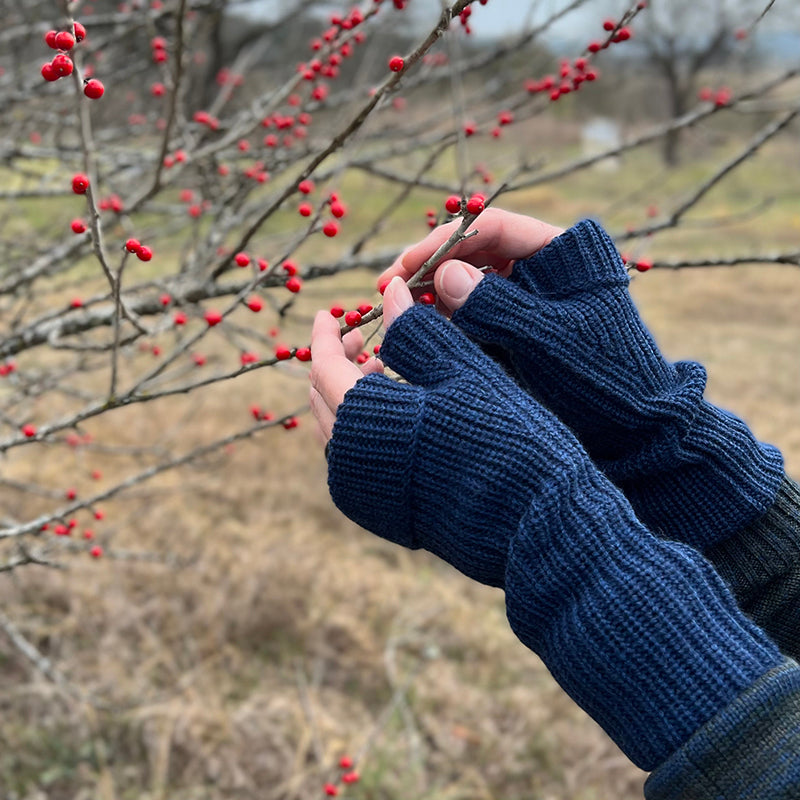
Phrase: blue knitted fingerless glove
pixel 575 341
pixel 394 445
pixel 641 632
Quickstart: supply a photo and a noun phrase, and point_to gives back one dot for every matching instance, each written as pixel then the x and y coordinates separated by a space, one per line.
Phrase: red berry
pixel 179 318
pixel 305 187
pixel 282 352
pixel 48 73
pixel 476 204
pixel 305 209
pixel 212 318
pixel 96 551
pixel 88 534
pixel 303 354
pixel 241 259
pixel 78 226
pixel 505 117
pixel 364 308
pixel 338 209
pixel 294 285
pixel 350 777
pixel 132 245
pixel 80 31
pixel 345 762
pixel 64 41
pixel 722 97
pixel 80 183
pixel 337 311
pixel 289 267
pixel 93 89
pixel 352 318
pixel 453 204
pixel 331 790
pixel 29 431
pixel 70 494
pixel 396 64
pixel 62 64
pixel 622 35
pixel 427 299
pixel 254 303
pixel 144 253
pixel 643 265
pixel 199 359
pixel 76 302
pixel 362 358
pixel 99 514
pixel 290 423
pixel 50 39
pixel 330 229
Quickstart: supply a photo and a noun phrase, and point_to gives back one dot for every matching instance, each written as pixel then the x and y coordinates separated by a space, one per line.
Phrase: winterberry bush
pixel 170 220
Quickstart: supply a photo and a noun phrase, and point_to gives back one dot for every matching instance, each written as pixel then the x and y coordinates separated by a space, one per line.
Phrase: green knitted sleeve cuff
pixel 761 564
pixel 749 750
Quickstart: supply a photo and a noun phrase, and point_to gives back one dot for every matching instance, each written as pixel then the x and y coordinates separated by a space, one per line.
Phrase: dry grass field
pixel 271 635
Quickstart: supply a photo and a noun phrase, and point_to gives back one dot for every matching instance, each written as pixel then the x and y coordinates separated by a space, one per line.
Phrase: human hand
pixel 502 238
pixel 566 327
pixel 333 369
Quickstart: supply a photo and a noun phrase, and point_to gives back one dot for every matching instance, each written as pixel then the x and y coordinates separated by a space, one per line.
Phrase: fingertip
pixel 372 366
pixel 396 299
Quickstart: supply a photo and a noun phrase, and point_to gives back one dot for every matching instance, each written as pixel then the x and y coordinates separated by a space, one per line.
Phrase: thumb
pixel 396 299
pixel 454 281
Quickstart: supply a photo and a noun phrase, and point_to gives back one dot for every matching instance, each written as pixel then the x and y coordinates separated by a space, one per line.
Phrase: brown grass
pixel 290 636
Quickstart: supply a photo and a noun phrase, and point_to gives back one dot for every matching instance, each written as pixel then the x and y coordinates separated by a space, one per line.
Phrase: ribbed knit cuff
pixel 575 261
pixel 371 458
pixel 749 750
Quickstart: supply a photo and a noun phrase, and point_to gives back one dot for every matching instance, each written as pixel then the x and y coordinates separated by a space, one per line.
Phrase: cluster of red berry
pixel 348 776
pixel 69 526
pixel 62 65
pixel 351 318
pixel 474 205
pixel 141 252
pixel 719 97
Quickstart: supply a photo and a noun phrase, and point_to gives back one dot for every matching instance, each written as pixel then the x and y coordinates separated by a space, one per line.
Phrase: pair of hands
pixel 503 237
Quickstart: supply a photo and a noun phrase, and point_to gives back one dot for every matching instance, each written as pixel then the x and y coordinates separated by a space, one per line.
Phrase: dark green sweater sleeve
pixel 761 564
pixel 748 751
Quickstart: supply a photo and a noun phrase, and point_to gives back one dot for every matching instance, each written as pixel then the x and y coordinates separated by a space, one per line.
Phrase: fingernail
pixel 457 282
pixel 396 299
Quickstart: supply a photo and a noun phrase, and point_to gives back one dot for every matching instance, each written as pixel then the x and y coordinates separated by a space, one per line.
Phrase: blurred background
pixel 238 636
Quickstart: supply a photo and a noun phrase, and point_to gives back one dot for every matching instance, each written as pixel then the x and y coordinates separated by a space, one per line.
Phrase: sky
pixel 496 19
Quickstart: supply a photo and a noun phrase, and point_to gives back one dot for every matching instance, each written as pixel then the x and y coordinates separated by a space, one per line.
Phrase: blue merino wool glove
pixel 641 632
pixel 569 328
